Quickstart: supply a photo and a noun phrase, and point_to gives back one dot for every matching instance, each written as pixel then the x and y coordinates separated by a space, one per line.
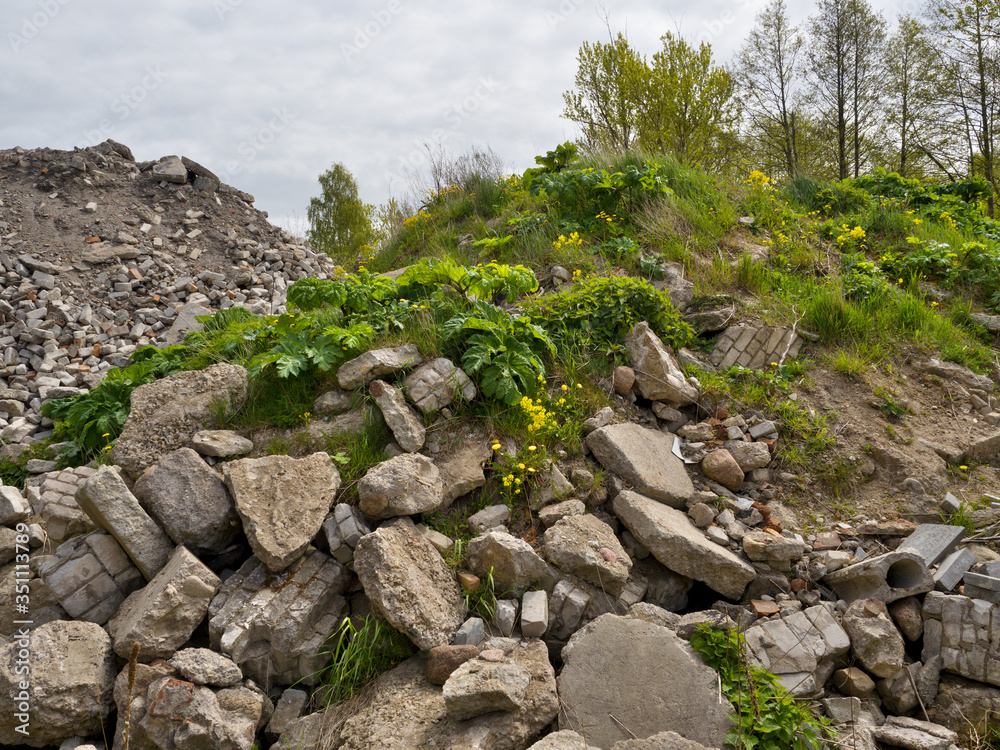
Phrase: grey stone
pixel 681 547
pixel 952 568
pixel 602 419
pixel 887 577
pixel 166 413
pixel 409 582
pixel 631 658
pixel 913 734
pixel 802 649
pixel 762 429
pixel 209 180
pixel 661 741
pixel 842 710
pixel 72 677
pixel 702 515
pixel 221 443
pixel 643 458
pixel 472 632
pixel 170 169
pixel 185 322
pixel 932 541
pixel 461 469
pixel 854 682
pixel 586 547
pixel 189 500
pixel 290 706
pixel 404 710
pixel 550 486
pixel 515 566
pixel 275 625
pixel 403 421
pixel 106 499
pixel 334 401
pixel 961 703
pixel 434 385
pixel 906 613
pixel 658 377
pixel 487 518
pixel 203 666
pixel 875 641
pixel 505 616
pixel 179 714
pixel 550 514
pixel 13 507
pixel 749 456
pixel 567 739
pixel 402 486
pixel 162 616
pixel 776 550
pixel 534 614
pixel 378 363
pixel 343 530
pixel 282 502
pixel 480 687
pixel 90 575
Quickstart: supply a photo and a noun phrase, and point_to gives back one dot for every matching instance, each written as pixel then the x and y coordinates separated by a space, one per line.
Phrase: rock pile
pixel 184 597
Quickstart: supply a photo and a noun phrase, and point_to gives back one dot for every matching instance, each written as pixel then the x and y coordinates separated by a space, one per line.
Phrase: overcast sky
pixel 269 94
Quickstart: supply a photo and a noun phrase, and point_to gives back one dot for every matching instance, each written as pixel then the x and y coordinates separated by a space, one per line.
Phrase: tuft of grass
pixel 359 654
pixel 849 363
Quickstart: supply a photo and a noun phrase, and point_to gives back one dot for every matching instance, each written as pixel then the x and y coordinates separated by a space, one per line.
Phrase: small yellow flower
pixel 579 385
pixel 564 387
pixel 495 446
pixel 521 467
pixel 963 468
pixel 532 447
pixel 106 434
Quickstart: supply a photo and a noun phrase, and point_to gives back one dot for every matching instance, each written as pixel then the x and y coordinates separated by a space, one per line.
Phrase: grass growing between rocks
pixel 358 654
pixel 767 717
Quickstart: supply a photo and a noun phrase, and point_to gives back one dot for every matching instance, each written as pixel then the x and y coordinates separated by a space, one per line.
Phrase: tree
pixel 829 60
pixel 768 71
pixel 681 103
pixel 606 99
pixel 867 31
pixel 340 224
pixel 687 105
pixel 968 34
pixel 911 82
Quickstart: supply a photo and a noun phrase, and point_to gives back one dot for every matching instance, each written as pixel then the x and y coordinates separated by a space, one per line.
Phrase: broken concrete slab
pixel 952 568
pixel 932 541
pixel 680 546
pixel 887 577
pixel 106 499
pixel 644 458
pixel 402 486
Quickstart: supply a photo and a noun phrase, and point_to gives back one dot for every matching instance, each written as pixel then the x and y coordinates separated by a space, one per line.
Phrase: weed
pixel 767 717
pixel 482 600
pixel 358 654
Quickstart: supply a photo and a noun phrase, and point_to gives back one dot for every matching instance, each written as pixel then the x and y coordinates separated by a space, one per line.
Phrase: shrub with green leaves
pixel 767 717
pixel 485 282
pixel 599 312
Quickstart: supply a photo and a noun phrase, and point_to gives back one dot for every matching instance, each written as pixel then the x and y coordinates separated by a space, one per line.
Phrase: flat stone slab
pixel 613 660
pixel 673 540
pixel 282 502
pixel 644 458
pixel 952 568
pixel 932 541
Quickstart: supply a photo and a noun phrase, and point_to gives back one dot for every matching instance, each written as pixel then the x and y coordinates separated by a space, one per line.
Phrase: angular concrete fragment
pixel 461 469
pixel 721 467
pixel 342 530
pixel 875 641
pixel 360 371
pixel 402 486
pixel 802 650
pixel 403 421
pixel 887 577
pixel 90 576
pixel 913 734
pixel 409 582
pixel 932 541
pixel 221 443
pixel 162 616
pixel 952 568
pixel 534 614
pixel 71 681
pixel 275 625
pixel 586 547
pixel 282 502
pixel 661 741
pixel 434 385
pixel 480 687
pixel 189 500
pixel 644 458
pixel 106 499
pixel 658 377
pixel 513 562
pixel 776 550
pixel 404 710
pixel 166 413
pixel 612 660
pixel 677 544
pixel 203 666
pixel 170 169
pixel 54 501
pixel 13 507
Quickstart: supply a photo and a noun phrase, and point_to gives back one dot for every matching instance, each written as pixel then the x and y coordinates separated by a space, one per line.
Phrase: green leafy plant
pixel 602 311
pixel 485 282
pixel 482 600
pixel 504 352
pixel 767 717
pixel 358 654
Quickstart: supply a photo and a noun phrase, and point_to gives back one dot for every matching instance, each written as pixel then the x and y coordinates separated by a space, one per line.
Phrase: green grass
pixel 358 654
